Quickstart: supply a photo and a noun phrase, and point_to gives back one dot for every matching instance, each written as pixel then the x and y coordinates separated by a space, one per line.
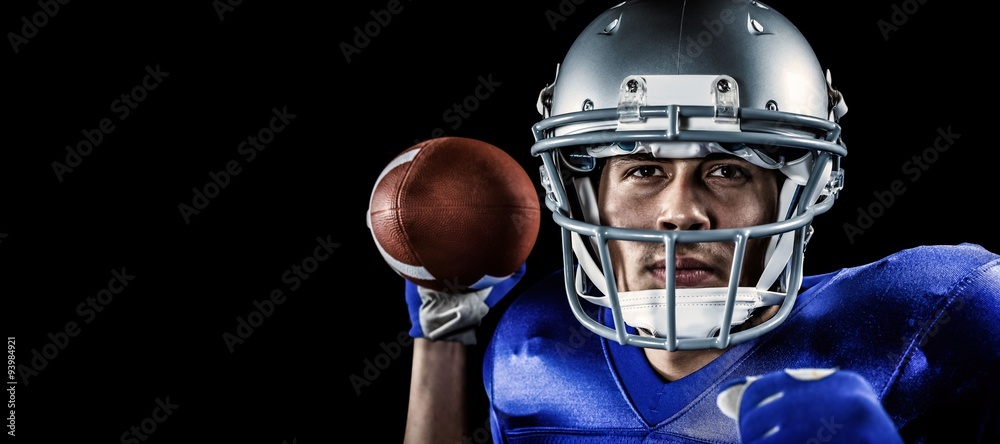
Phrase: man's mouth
pixel 688 272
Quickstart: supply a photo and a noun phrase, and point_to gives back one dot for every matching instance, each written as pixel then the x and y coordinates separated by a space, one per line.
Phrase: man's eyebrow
pixel 640 157
pixel 647 157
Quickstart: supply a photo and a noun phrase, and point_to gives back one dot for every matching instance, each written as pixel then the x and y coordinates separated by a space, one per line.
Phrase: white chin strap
pixel 699 311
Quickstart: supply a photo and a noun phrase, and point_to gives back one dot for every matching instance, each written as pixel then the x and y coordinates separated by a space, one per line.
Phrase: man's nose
pixel 682 207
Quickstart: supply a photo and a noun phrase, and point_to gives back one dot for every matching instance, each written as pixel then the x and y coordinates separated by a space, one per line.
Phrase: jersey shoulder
pixel 920 277
pixel 920 325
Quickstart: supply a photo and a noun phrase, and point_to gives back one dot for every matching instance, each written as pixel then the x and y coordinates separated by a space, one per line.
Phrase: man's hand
pixel 807 405
pixel 453 315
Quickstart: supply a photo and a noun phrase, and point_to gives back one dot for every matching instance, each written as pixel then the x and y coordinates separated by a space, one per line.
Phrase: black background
pixel 307 372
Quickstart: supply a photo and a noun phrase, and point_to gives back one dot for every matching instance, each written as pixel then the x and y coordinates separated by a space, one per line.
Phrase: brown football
pixel 454 213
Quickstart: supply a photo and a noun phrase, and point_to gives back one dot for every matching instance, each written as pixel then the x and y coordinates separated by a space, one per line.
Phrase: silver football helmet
pixel 686 79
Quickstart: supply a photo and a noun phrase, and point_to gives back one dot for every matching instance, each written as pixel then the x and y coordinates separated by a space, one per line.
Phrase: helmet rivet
pixel 632 85
pixel 724 85
pixel 771 105
pixel 588 105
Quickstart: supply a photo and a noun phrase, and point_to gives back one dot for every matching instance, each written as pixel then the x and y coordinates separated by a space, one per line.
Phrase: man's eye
pixel 728 171
pixel 645 171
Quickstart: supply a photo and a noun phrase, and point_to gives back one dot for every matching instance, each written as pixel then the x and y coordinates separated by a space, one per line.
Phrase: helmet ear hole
pixel 577 159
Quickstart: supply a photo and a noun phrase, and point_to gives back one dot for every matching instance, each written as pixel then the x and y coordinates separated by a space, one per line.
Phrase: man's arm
pixel 443 326
pixel 436 411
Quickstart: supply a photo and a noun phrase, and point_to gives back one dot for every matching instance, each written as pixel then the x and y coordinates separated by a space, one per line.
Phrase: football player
pixel 686 147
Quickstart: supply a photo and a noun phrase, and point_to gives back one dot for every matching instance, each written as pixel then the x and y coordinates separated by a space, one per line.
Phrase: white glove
pixel 452 316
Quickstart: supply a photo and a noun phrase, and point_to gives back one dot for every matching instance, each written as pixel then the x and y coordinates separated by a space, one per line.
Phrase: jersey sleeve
pixel 947 364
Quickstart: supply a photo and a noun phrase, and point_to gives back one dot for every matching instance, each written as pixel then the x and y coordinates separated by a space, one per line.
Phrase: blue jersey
pixel 920 325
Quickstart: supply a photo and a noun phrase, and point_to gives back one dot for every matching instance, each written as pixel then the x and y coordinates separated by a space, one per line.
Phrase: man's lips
pixel 688 272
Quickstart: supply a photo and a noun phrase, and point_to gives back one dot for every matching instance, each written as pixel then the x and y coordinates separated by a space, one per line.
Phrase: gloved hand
pixel 807 405
pixel 454 315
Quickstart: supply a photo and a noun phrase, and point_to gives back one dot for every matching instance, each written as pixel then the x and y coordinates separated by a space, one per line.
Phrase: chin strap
pixel 779 250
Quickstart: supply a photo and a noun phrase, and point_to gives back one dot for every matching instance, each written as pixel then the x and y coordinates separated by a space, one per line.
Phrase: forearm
pixel 436 412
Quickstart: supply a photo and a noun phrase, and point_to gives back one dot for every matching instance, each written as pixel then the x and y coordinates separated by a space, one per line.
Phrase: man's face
pixel 718 191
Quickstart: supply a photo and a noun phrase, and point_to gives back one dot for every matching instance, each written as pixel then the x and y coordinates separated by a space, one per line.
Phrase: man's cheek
pixel 753 265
